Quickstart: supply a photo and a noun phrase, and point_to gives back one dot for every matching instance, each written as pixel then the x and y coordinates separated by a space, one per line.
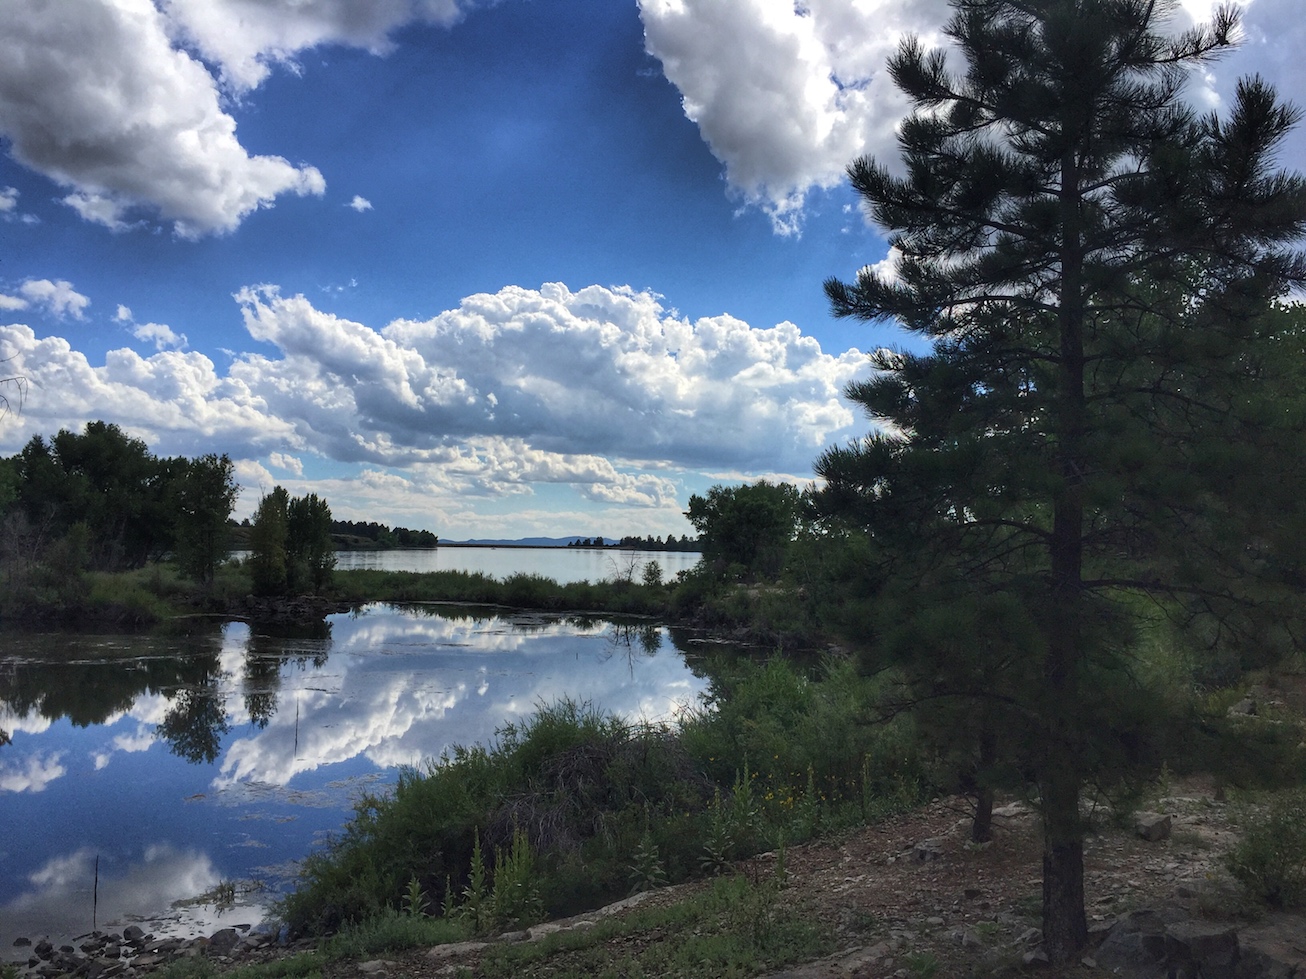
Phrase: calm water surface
pixel 563 564
pixel 185 762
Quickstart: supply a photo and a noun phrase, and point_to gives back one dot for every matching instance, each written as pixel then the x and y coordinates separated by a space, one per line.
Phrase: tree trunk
pixel 1065 926
pixel 981 828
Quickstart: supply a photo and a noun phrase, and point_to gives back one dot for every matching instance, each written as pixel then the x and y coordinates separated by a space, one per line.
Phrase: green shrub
pixel 547 815
pixel 1270 859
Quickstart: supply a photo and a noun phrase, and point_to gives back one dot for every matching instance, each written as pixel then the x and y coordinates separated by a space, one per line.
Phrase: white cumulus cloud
pixel 287 462
pixel 598 394
pixel 786 94
pixel 600 371
pixel 94 94
pixel 59 298
pixel 360 204
pixel 247 37
pixel 162 336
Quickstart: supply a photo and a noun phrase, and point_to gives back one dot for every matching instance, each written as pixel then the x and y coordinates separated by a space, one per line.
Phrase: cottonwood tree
pixel 202 494
pixel 267 543
pixel 290 544
pixel 1093 264
pixel 750 525
pixel 310 553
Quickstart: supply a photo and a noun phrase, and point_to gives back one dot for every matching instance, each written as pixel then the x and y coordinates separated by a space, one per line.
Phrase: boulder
pixel 1136 945
pixel 222 942
pixel 1244 708
pixel 927 850
pixel 1152 826
pixel 1273 948
pixel 1201 948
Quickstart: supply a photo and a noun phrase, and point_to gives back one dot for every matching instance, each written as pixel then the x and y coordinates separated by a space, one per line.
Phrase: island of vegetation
pixel 1052 573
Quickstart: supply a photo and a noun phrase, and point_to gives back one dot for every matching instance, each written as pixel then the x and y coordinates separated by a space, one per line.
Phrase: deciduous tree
pixel 203 494
pixel 267 543
pixel 749 525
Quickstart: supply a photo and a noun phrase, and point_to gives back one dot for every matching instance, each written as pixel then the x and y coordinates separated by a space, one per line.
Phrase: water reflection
pixel 61 889
pixel 226 752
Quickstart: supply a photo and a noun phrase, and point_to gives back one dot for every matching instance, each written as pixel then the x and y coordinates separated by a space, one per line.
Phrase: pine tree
pixel 1094 265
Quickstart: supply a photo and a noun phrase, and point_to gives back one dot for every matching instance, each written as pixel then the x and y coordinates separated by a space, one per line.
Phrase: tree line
pixel 670 543
pixel 100 500
pixel 380 534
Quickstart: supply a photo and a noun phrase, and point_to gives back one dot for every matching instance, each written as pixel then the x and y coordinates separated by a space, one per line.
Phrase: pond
pixel 170 768
pixel 563 564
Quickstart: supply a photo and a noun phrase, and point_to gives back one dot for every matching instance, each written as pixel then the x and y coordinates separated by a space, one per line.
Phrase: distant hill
pixel 523 542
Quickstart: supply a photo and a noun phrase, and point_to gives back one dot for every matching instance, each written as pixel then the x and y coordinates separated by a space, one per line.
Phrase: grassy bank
pixel 575 807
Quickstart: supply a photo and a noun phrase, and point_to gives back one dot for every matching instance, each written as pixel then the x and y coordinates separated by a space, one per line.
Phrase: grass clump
pixel 1270 859
pixel 736 927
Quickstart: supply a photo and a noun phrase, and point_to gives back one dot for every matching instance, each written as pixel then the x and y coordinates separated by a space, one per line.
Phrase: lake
pixel 563 564
pixel 182 763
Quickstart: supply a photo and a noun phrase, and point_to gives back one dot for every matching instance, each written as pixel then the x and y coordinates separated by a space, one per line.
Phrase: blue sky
pixel 490 269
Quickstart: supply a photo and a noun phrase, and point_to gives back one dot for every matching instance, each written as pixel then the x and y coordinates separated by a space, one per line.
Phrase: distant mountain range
pixel 524 541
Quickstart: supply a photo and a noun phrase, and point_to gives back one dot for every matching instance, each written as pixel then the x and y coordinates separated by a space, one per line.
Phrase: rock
pixel 1135 944
pixel 441 952
pixel 22 942
pixel 1202 948
pixel 1273 948
pixel 967 938
pixel 1244 708
pixel 1152 826
pixel 43 949
pixel 1036 957
pixel 927 850
pixel 133 934
pixel 221 942
pixel 515 936
pixel 1013 811
pixel 376 967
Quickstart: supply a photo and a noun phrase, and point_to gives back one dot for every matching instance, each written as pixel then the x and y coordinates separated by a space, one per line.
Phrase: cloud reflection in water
pixel 398 689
